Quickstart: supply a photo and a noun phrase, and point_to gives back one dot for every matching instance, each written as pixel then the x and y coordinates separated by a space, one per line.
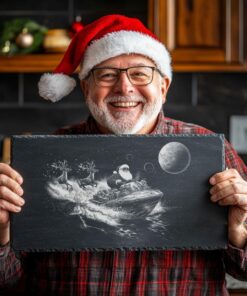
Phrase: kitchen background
pixel 205 98
pixel 208 98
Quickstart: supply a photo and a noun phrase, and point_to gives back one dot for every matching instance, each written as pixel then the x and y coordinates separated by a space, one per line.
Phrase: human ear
pixel 165 83
pixel 84 87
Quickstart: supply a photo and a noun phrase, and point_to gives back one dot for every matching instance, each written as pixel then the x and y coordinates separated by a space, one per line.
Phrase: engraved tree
pixel 64 168
pixel 89 167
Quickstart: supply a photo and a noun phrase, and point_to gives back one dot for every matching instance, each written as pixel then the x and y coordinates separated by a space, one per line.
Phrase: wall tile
pixel 211 117
pixel 8 88
pixel 50 21
pixel 180 91
pixel 42 120
pixel 91 10
pixel 31 89
pixel 111 5
pixel 34 5
pixel 225 89
pixel 90 16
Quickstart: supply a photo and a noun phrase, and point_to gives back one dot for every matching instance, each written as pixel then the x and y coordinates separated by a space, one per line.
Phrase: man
pixel 125 73
pixel 120 177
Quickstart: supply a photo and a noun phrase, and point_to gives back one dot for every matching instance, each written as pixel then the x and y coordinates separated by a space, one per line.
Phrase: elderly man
pixel 125 73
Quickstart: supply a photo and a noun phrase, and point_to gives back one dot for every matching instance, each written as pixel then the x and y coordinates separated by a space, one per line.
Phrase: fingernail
pixel 212 180
pixel 18 209
pixel 213 197
pixel 20 191
pixel 19 179
pixel 21 202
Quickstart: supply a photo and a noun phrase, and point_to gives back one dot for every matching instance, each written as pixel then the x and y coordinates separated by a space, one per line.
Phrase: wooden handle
pixel 6 150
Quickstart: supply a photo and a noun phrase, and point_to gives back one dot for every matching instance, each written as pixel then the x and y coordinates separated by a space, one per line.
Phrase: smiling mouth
pixel 124 104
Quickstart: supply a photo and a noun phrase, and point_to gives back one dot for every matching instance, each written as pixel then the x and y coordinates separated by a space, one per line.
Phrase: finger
pixel 7 195
pixel 222 176
pixel 232 184
pixel 232 189
pixel 235 200
pixel 11 184
pixel 4 219
pixel 219 186
pixel 5 169
pixel 237 216
pixel 9 207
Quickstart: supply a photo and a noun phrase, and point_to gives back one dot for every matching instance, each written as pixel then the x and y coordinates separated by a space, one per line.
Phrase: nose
pixel 123 86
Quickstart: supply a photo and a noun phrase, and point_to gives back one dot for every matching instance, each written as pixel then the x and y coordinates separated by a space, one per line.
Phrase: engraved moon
pixel 174 158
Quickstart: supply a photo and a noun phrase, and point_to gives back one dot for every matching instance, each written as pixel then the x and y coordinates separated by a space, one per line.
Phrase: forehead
pixel 125 60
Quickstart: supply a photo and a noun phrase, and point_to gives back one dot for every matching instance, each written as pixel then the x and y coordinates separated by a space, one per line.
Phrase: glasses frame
pixel 120 70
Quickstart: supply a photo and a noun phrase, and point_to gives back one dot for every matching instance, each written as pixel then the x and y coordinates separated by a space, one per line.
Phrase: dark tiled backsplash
pixel 225 89
pixel 97 8
pixel 42 120
pixel 21 95
pixel 8 88
pixel 180 90
pixel 111 5
pixel 17 5
pixel 208 99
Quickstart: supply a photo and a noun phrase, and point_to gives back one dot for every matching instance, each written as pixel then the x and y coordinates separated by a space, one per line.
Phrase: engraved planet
pixel 174 158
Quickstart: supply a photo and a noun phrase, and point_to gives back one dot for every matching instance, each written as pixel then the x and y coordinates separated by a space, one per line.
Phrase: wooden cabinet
pixel 30 63
pixel 201 32
pixel 202 35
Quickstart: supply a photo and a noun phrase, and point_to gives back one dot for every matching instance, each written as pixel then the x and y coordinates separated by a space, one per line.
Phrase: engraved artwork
pixel 112 201
pixel 117 199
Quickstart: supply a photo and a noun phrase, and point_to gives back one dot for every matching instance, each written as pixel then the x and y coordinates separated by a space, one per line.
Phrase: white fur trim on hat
pixel 54 87
pixel 126 42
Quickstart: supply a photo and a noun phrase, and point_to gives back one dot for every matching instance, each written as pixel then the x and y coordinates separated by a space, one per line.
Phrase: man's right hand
pixel 10 198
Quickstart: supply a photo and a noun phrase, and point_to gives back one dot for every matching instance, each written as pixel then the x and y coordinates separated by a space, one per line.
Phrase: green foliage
pixel 11 29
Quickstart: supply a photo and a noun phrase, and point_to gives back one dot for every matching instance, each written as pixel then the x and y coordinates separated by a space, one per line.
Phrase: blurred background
pixel 207 40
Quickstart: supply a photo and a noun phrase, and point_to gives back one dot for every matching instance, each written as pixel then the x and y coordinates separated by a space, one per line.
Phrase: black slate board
pixel 108 192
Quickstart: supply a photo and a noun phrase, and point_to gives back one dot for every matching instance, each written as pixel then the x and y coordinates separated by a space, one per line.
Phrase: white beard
pixel 121 123
pixel 127 176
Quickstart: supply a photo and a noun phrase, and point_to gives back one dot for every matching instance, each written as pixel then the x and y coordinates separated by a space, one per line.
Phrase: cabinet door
pixel 199 30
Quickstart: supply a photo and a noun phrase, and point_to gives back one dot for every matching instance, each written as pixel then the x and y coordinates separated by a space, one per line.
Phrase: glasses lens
pixel 105 76
pixel 140 75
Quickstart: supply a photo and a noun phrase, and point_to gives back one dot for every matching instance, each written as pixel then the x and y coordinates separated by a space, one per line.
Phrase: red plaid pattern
pixel 123 273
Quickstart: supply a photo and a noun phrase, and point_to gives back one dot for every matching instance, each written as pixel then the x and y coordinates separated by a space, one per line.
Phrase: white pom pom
pixel 53 87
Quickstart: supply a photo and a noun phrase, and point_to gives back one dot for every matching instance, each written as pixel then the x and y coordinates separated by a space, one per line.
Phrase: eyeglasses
pixel 139 75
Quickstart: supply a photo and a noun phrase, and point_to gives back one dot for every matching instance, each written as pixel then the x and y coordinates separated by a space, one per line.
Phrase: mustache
pixel 115 99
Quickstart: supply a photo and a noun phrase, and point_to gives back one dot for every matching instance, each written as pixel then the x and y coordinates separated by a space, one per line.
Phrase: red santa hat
pixel 107 37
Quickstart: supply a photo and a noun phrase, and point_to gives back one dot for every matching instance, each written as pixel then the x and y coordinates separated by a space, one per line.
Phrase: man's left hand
pixel 230 189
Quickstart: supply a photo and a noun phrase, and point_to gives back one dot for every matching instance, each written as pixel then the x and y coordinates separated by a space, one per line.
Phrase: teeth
pixel 124 104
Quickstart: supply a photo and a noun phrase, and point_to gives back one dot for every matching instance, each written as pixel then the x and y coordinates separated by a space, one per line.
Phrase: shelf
pixel 38 63
pixel 35 63
pixel 216 67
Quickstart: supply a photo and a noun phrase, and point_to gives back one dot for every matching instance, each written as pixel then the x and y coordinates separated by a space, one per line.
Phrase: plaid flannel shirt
pixel 126 272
